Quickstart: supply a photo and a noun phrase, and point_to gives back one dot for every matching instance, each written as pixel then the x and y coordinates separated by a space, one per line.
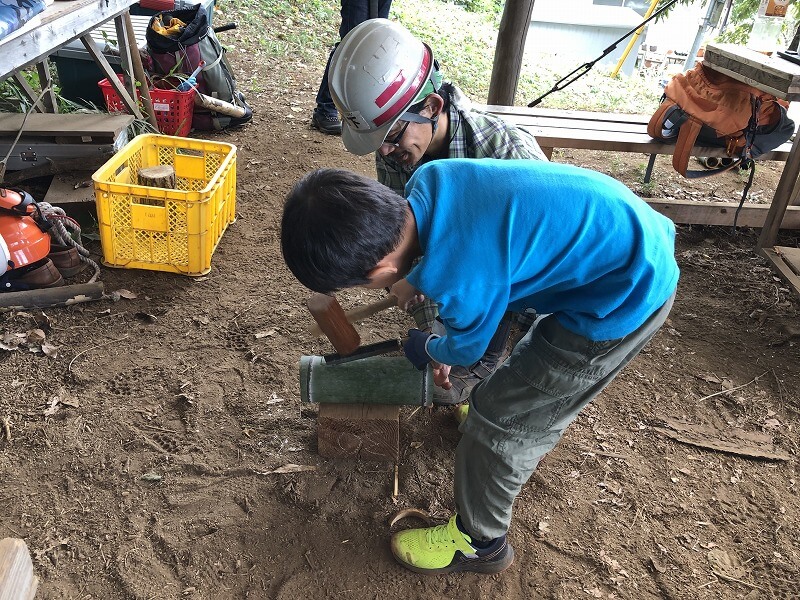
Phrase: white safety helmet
pixel 378 71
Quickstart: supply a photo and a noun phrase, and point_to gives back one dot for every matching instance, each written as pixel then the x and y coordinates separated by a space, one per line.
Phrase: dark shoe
pixel 41 274
pixel 66 259
pixel 326 122
pixel 446 549
pixel 466 378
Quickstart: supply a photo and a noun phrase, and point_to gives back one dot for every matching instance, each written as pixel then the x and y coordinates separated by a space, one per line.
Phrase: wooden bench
pixel 586 130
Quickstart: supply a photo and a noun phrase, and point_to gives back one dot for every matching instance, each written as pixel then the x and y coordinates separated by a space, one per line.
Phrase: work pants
pixel 521 410
pixel 353 13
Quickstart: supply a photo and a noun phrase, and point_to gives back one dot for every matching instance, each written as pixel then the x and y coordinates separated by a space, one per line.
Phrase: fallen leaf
pixel 145 317
pixel 656 564
pixel 289 468
pixel 51 351
pixel 151 476
pixel 410 512
pixel 725 564
pixel 36 336
pixel 544 527
pixel 127 294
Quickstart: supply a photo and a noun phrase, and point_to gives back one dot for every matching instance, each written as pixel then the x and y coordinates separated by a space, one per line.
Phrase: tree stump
pixel 17 581
pixel 161 176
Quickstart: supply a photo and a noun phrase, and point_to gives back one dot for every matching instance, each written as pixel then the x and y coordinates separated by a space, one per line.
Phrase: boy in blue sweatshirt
pixel 570 243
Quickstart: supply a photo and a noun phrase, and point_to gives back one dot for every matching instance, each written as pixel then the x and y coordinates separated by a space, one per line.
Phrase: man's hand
pixel 441 375
pixel 407 295
pixel 415 350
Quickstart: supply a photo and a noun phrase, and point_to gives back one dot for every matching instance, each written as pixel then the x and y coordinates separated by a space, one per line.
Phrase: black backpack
pixel 183 53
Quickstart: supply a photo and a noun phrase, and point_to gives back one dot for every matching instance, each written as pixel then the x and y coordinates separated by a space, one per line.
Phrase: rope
pixel 67 232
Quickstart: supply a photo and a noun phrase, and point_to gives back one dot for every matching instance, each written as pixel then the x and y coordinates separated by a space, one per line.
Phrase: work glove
pixel 415 348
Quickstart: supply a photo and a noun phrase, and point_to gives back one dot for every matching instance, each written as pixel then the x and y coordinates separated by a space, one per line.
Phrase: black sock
pixel 476 543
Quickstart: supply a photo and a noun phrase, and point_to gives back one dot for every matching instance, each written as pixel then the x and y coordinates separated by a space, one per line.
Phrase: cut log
pixel 160 176
pixel 17 581
pixel 367 432
pixel 64 295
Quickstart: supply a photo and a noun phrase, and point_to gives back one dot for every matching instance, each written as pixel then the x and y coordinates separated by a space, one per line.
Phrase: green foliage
pixel 297 29
pixel 481 6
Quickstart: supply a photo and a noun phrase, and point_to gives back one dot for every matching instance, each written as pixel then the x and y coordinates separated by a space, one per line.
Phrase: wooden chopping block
pixel 17 581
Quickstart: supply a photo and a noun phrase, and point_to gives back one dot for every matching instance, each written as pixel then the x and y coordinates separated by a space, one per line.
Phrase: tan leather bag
pixel 711 109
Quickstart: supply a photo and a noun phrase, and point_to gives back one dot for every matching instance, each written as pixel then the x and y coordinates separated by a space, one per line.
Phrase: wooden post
pixel 509 50
pixel 138 69
pixel 17 581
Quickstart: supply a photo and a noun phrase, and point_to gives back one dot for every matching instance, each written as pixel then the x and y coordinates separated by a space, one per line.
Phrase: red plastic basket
pixel 157 4
pixel 173 109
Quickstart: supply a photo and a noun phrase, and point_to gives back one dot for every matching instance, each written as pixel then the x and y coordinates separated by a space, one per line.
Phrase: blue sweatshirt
pixel 503 235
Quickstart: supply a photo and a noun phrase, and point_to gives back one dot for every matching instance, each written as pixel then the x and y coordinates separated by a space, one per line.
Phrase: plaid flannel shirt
pixel 475 134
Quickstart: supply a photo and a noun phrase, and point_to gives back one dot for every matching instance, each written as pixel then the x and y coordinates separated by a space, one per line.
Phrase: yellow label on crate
pixel 148 216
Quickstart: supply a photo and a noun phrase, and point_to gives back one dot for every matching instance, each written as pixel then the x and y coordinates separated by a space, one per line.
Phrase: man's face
pixel 407 141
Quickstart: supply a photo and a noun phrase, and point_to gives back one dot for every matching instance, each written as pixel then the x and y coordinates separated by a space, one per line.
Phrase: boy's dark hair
pixel 337 225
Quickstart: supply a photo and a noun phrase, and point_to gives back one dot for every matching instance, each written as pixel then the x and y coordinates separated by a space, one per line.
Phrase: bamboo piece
pixel 374 380
pixel 17 581
pixel 64 295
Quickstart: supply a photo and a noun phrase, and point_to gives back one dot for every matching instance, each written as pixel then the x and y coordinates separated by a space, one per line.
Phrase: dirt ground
pixel 140 457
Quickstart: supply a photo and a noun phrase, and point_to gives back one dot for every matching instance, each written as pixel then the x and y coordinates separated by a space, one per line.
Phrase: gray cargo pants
pixel 521 410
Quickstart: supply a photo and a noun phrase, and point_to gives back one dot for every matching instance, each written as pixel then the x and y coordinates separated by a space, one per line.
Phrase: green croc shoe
pixel 446 549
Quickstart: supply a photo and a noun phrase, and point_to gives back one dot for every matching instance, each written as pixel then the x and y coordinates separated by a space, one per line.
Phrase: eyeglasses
pixel 395 141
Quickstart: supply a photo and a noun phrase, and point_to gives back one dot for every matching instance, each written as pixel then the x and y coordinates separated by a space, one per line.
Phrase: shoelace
pixel 440 536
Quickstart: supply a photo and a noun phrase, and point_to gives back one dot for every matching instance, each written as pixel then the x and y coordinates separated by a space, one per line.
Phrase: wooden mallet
pixel 337 325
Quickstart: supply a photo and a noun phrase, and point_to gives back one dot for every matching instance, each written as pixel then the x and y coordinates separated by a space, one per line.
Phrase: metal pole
pixel 633 40
pixel 698 39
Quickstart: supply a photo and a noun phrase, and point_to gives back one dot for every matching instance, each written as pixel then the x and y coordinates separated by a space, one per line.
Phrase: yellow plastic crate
pixel 162 229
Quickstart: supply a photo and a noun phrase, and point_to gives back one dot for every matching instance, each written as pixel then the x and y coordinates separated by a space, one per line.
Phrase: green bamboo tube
pixel 373 380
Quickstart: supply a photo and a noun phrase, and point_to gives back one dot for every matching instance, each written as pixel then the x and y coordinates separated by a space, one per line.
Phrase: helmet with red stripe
pixel 378 71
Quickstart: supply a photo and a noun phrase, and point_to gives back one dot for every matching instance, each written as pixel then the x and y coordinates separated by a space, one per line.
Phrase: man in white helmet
pixel 387 86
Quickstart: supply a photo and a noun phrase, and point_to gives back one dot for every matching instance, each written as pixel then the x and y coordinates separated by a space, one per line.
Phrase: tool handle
pixel 360 313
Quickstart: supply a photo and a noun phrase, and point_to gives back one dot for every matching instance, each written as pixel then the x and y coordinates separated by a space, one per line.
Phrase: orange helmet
pixel 22 242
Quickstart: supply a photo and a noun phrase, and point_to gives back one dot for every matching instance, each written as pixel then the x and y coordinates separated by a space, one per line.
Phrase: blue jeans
pixel 353 12
pixel 521 410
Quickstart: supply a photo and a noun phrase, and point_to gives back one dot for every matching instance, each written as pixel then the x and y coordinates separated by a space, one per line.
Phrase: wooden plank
pixel 612 127
pixel 58 25
pixel 590 139
pixel 791 256
pixel 73 124
pixel 721 213
pixel 769 73
pixel 775 258
pixel 367 432
pixel 17 581
pixel 582 115
pixel 70 188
